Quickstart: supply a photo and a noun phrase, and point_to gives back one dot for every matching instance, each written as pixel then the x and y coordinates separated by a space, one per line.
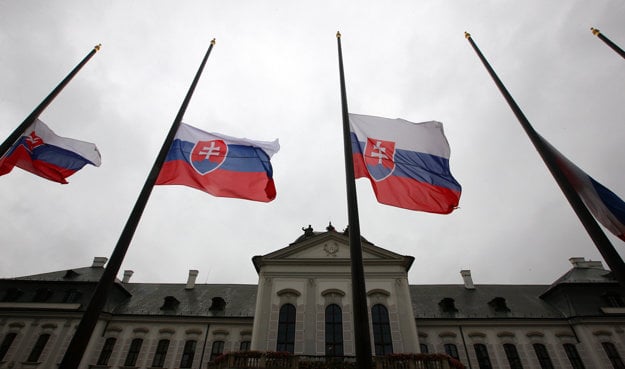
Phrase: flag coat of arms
pixel 407 163
pixel 604 205
pixel 40 151
pixel 221 165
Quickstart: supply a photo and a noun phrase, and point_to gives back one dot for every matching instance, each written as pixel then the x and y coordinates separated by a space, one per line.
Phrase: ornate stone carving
pixel 331 249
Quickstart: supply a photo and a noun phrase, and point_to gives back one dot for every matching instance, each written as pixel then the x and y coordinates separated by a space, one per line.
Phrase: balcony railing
pixel 284 360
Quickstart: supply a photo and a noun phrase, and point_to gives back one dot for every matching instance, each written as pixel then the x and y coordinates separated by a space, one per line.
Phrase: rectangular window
pixel 160 354
pixel 573 355
pixel 187 354
pixel 133 352
pixel 38 348
pixel 424 348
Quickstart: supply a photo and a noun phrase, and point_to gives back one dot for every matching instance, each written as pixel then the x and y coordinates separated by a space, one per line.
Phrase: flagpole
pixel 608 42
pixel 362 338
pixel 603 244
pixel 79 342
pixel 17 133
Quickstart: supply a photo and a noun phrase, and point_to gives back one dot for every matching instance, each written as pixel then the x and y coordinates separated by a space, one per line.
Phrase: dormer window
pixel 170 303
pixel 70 274
pixel 218 304
pixel 448 305
pixel 499 304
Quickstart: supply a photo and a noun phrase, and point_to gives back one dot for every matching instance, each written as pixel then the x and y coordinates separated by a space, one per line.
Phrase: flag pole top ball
pixel 338 34
pixel 595 31
pixel 97 47
pixel 467 35
pixel 213 42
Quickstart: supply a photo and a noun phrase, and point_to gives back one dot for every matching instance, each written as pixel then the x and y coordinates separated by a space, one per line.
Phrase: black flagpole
pixel 362 338
pixel 603 244
pixel 78 344
pixel 607 41
pixel 17 133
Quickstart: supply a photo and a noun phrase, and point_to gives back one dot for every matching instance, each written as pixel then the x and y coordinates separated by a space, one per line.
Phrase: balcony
pixel 285 360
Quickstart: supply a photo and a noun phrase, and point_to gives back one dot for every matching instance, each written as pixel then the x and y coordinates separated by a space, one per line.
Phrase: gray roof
pixel 86 274
pixel 148 299
pixel 585 275
pixel 523 301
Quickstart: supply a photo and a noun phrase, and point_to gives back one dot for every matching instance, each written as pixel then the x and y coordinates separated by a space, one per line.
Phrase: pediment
pixel 329 245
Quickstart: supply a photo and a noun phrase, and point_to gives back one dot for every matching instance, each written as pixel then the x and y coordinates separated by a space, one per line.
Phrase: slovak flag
pixel 407 163
pixel 221 165
pixel 604 205
pixel 41 152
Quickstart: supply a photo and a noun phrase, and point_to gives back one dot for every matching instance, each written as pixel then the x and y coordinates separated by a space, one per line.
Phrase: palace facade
pixel 303 304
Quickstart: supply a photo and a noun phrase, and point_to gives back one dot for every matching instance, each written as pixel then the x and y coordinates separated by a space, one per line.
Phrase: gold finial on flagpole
pixel 595 31
pixel 97 47
pixel 467 35
pixel 213 42
pixel 338 34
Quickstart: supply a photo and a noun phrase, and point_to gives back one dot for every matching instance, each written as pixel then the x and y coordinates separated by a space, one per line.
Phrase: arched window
pixel 6 344
pixel 334 330
pixel 245 346
pixel 452 350
pixel 481 353
pixel 133 352
pixel 613 355
pixel 217 349
pixel 107 350
pixel 513 356
pixel 286 329
pixel 381 330
pixel 543 356
pixel 188 353
pixel 573 355
pixel 38 348
pixel 160 354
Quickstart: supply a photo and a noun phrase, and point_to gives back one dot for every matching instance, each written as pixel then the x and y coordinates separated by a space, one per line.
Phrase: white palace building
pixel 303 304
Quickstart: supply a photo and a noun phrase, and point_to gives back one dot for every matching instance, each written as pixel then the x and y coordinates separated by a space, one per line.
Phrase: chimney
pixel 191 281
pixel 585 264
pixel 127 275
pixel 99 261
pixel 466 277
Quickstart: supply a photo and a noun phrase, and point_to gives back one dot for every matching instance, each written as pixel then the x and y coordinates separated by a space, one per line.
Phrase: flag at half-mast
pixel 407 163
pixel 40 151
pixel 604 205
pixel 221 165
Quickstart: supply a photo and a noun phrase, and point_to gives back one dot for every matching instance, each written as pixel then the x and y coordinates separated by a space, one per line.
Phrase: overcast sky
pixel 274 74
